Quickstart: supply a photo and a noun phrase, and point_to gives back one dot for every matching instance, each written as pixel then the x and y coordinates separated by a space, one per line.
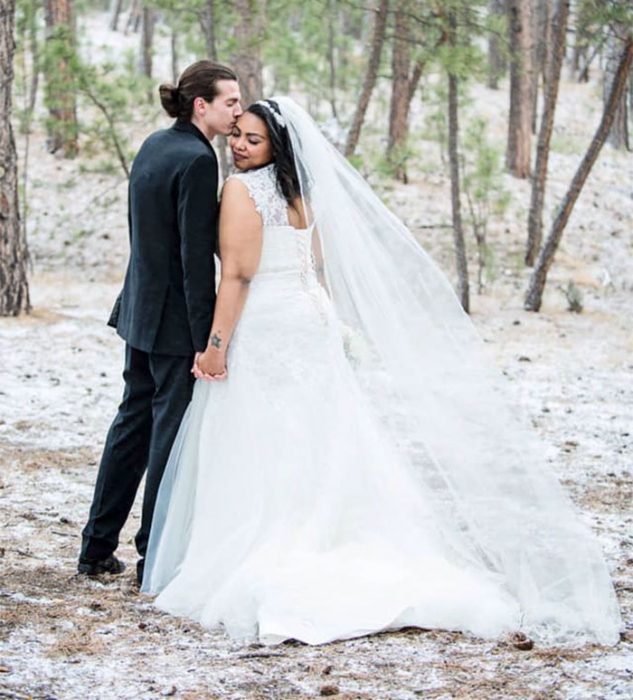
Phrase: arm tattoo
pixel 215 340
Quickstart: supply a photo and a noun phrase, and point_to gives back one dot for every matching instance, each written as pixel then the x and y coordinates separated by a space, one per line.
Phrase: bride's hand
pixel 210 365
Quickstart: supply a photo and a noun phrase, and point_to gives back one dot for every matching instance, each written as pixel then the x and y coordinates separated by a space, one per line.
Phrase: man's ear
pixel 198 104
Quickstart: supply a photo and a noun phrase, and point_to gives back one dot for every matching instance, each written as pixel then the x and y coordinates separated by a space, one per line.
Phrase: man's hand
pixel 210 365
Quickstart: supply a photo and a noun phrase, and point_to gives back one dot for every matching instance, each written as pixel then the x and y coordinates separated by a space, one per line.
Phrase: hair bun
pixel 169 98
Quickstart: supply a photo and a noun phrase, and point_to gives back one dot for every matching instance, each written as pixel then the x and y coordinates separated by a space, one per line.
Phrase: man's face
pixel 220 115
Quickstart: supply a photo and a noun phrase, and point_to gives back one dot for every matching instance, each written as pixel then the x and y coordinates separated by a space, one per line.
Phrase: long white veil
pixel 423 366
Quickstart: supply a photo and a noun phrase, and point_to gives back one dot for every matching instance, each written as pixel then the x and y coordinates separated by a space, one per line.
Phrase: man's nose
pixel 238 109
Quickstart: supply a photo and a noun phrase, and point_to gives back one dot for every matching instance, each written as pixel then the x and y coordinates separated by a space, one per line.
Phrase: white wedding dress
pixel 291 510
pixel 288 509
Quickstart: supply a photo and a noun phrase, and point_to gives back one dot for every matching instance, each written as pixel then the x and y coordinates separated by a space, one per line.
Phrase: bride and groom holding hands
pixel 327 453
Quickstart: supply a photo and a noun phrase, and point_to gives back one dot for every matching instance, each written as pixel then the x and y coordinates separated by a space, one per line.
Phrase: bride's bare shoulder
pixel 235 191
pixel 236 201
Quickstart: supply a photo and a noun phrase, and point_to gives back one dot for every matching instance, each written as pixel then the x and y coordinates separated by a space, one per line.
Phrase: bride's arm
pixel 240 251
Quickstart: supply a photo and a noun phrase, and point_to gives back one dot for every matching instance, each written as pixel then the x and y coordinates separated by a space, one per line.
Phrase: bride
pixel 354 465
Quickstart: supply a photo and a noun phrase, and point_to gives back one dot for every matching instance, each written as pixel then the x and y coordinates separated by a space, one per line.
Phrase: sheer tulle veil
pixel 423 367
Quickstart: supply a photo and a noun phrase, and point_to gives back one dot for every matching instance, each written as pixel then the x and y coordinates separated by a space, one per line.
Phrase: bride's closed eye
pixel 253 140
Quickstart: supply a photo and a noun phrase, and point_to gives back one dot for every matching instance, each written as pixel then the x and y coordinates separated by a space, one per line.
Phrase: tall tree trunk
pixel 115 13
pixel 31 40
pixel 134 17
pixel 331 54
pixel 400 90
pixel 36 61
pixel 534 296
pixel 578 56
pixel 557 54
pixel 249 30
pixel 520 117
pixel 147 47
pixel 414 81
pixel 14 289
pixel 207 21
pixel 540 25
pixel 173 50
pixel 496 57
pixel 377 42
pixel 453 155
pixel 60 84
pixel 619 134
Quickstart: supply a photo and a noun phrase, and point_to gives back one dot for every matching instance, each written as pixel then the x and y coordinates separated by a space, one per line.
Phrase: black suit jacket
pixel 166 305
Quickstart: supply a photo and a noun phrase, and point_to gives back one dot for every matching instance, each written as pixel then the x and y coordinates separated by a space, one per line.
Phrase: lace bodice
pixel 262 187
pixel 285 249
pixel 286 266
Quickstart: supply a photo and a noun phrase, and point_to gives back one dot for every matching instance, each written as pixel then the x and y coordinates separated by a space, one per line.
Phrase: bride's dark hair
pixel 283 155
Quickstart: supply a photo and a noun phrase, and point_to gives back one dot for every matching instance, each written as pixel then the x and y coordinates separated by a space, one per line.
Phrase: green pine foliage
pixel 110 101
pixel 486 198
pixel 305 42
pixel 27 61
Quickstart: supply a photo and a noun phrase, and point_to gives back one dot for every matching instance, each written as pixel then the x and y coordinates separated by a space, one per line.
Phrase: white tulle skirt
pixel 287 510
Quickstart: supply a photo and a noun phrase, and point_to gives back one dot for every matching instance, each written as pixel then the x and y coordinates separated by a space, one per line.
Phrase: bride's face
pixel 249 142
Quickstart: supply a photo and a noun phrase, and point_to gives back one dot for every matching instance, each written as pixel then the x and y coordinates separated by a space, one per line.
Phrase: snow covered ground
pixel 62 636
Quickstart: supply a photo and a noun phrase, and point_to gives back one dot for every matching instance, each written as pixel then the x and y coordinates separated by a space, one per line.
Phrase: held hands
pixel 210 364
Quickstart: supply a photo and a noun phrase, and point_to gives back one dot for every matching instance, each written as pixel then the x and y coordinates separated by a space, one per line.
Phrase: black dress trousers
pixel 157 391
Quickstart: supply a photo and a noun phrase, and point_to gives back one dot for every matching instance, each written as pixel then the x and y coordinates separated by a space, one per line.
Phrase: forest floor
pixel 67 637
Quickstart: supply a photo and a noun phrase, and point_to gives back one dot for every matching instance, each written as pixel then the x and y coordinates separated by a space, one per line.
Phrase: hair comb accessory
pixel 278 118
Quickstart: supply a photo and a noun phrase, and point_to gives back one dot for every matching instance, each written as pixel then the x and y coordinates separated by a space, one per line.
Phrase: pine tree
pixel 14 289
pixel 59 72
pixel 534 294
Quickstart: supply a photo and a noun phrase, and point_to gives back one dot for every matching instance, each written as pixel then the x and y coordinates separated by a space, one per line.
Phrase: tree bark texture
pixel 400 64
pixel 619 134
pixel 496 57
pixel 148 20
pixel 207 21
pixel 534 294
pixel 414 81
pixel 521 104
pixel 147 40
pixel 60 91
pixel 556 56
pixel 14 289
pixel 542 38
pixel 371 75
pixel 453 155
pixel 173 48
pixel 401 92
pixel 249 30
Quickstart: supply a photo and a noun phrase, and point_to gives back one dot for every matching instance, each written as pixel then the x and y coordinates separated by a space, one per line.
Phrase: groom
pixel 165 310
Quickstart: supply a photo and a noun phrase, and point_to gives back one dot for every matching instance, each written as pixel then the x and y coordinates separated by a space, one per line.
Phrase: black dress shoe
pixel 94 567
